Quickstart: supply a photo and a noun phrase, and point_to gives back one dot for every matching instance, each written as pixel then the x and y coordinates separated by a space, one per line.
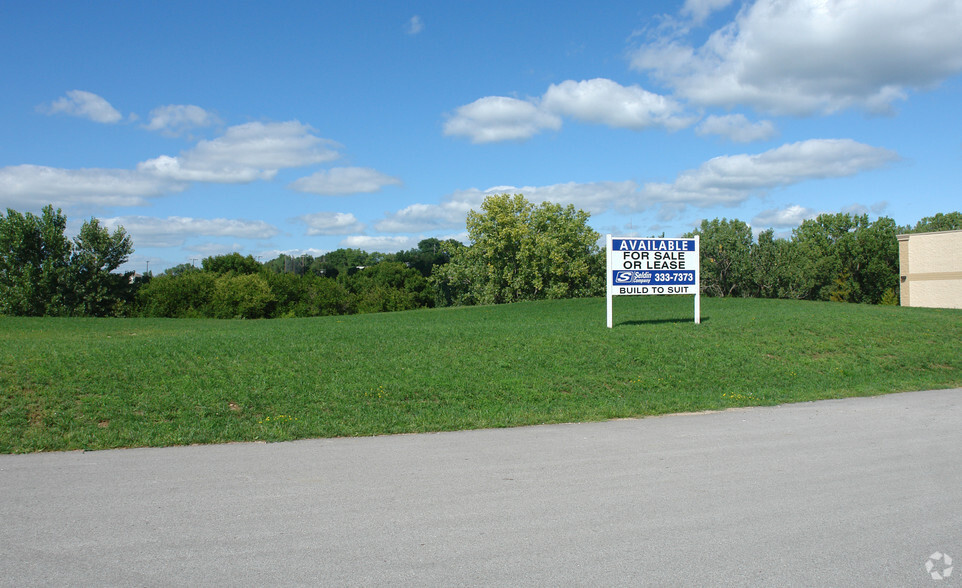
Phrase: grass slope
pixel 102 383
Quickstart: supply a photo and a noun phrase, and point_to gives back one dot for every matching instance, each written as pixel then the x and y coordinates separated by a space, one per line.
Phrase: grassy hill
pixel 102 383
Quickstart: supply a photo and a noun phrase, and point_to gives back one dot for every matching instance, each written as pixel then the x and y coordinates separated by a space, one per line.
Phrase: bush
pixel 388 287
pixel 186 295
pixel 246 296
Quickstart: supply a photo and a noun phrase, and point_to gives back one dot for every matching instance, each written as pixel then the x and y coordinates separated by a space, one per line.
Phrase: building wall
pixel 930 267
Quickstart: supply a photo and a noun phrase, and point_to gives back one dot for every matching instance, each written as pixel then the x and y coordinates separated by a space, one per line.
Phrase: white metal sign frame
pixel 653 267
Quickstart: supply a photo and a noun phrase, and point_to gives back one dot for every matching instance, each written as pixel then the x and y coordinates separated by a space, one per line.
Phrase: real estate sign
pixel 644 267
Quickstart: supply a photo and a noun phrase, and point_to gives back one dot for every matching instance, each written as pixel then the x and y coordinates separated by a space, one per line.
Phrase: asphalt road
pixel 856 492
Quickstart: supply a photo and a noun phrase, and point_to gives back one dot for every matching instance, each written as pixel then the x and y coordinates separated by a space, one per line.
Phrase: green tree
pixel 819 262
pixel 246 296
pixel 429 253
pixel 94 288
pixel 231 262
pixel 725 252
pixel 520 251
pixel 185 295
pixel 940 222
pixel 871 257
pixel 34 257
pixel 300 265
pixel 846 258
pixel 179 269
pixel 389 287
pixel 308 295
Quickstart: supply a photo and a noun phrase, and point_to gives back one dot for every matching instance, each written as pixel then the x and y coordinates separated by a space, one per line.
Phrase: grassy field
pixel 101 383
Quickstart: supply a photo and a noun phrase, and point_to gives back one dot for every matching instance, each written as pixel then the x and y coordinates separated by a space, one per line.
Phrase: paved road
pixel 856 492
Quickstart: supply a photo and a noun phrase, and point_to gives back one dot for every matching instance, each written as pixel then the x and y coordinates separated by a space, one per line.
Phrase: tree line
pixel 839 257
pixel 518 251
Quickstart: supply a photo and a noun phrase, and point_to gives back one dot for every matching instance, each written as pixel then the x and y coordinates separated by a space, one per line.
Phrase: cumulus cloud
pixel 340 181
pixel 211 249
pixel 331 223
pixel 26 186
pixel 781 218
pixel 449 213
pixel 732 179
pixel 603 101
pixel 174 230
pixel 84 105
pixel 806 57
pixel 244 153
pixel 499 118
pixel 737 128
pixel 383 244
pixel 597 101
pixel 727 180
pixel 175 119
pixel 593 197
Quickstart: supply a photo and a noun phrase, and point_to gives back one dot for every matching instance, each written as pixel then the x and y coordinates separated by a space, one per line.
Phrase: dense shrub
pixel 246 296
pixel 185 295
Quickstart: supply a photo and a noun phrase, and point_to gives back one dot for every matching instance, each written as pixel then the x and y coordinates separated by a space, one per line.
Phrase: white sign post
pixel 646 267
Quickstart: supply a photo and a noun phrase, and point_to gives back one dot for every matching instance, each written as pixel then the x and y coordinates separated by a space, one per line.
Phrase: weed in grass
pixel 280 418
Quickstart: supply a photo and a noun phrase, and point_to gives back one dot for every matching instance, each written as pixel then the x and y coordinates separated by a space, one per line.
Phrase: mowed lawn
pixel 69 384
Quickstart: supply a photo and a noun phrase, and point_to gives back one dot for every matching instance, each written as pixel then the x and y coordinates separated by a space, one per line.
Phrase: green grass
pixel 102 383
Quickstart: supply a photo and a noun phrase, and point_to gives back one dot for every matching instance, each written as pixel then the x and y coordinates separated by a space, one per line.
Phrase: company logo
pixel 632 277
pixel 939 565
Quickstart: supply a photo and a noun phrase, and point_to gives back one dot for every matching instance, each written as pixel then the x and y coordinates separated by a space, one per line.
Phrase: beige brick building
pixel 930 268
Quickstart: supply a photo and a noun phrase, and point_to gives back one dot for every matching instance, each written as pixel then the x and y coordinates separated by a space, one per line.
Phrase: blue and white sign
pixel 642 267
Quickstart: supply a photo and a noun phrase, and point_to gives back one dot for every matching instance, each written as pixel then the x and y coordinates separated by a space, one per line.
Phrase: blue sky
pixel 301 127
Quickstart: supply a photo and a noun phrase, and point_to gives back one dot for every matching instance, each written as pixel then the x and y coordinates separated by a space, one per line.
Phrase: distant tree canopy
pixel 832 257
pixel 939 222
pixel 232 262
pixel 520 251
pixel 42 272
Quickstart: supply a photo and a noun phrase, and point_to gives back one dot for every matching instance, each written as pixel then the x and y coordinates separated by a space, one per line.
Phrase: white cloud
pixel 727 180
pixel 84 105
pixel 414 26
pixel 175 119
pixel 173 231
pixel 791 216
pixel 331 223
pixel 450 213
pixel 344 180
pixel 598 101
pixel 699 10
pixel 244 153
pixel 28 186
pixel 805 57
pixel 499 118
pixel 212 249
pixel 594 197
pixel 737 128
pixel 732 179
pixel 603 101
pixel 381 244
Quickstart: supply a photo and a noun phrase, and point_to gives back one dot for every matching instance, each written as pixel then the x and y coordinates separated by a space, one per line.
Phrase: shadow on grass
pixel 704 319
